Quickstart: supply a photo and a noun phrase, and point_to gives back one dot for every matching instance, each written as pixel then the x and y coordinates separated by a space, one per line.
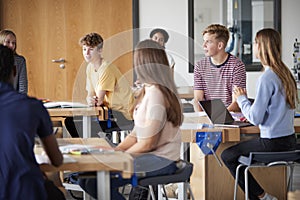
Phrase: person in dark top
pixel 8 38
pixel 22 119
pixel 161 36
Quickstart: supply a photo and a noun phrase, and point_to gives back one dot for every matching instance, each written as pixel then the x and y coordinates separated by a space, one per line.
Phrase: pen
pixel 86 151
pixel 79 152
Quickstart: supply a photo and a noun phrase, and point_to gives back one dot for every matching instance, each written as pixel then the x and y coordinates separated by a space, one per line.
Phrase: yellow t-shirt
pixel 109 78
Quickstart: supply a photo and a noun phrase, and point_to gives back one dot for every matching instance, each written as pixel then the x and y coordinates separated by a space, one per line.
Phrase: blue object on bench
pixel 208 141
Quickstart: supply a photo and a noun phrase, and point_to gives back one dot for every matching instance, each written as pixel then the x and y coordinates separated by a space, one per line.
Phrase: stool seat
pixel 183 174
pixel 266 159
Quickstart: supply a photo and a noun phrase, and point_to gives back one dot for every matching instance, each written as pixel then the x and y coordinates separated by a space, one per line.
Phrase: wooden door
pixel 50 29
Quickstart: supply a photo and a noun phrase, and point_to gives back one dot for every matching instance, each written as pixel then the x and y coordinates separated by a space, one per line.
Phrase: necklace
pixel 96 64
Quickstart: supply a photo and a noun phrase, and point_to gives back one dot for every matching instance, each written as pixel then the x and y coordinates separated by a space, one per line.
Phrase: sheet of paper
pixel 194 114
pixel 43 159
pixel 191 126
pixel 237 116
pixel 84 149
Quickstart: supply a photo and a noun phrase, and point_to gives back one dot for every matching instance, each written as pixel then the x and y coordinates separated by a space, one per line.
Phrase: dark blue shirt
pixel 21 119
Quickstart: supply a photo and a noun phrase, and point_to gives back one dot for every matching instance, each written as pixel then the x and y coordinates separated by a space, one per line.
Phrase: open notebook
pixel 44 159
pixel 219 115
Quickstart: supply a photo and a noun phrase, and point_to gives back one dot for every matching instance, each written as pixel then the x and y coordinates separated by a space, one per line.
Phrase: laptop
pixel 219 115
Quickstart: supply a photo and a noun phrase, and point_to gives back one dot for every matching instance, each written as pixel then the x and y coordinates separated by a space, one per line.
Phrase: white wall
pixel 205 13
pixel 290 28
pixel 170 15
pixel 251 79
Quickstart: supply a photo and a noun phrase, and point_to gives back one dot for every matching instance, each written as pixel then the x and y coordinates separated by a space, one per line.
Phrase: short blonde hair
pixel 220 31
pixel 4 33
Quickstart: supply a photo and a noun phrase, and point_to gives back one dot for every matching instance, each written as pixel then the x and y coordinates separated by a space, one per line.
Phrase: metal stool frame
pixel 267 159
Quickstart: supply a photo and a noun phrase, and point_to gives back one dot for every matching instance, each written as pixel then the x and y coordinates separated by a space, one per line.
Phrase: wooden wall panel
pixel 50 29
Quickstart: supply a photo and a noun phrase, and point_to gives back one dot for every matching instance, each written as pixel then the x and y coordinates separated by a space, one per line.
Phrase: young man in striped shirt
pixel 218 72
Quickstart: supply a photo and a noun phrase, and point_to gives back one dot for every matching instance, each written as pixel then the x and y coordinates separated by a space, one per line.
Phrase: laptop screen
pixel 216 111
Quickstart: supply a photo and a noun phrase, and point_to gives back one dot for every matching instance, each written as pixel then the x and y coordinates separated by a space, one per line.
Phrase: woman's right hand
pixel 238 91
pixel 91 101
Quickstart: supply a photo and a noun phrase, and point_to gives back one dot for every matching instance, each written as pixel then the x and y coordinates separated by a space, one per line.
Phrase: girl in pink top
pixel 157 115
pixel 155 140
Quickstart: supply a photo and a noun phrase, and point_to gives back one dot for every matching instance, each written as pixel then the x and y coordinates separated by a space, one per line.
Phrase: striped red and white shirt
pixel 217 81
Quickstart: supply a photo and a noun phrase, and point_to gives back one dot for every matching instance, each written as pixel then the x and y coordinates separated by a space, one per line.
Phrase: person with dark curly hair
pixel 161 36
pixel 23 118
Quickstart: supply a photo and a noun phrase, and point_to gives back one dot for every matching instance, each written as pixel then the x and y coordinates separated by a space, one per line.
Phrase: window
pixel 243 18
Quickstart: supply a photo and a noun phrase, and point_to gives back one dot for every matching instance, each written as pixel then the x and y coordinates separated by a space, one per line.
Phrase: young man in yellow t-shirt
pixel 105 85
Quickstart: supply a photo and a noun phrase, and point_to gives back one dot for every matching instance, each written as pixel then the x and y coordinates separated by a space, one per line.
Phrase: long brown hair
pixel 152 67
pixel 269 50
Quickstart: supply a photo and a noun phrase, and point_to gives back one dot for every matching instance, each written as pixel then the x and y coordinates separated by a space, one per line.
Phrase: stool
pixel 183 174
pixel 266 159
